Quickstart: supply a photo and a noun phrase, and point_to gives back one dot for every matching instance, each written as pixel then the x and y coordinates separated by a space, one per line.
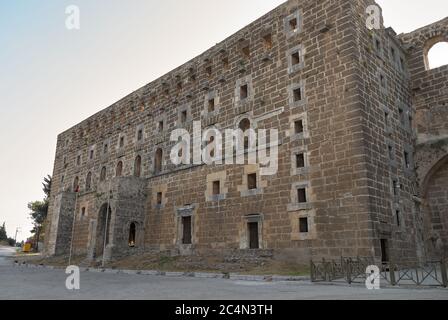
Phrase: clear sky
pixel 52 78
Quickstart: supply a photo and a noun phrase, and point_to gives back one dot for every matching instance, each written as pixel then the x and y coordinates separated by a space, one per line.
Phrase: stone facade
pixel 343 106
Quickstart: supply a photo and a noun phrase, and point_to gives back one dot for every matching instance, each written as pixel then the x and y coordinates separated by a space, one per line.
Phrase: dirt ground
pixel 180 264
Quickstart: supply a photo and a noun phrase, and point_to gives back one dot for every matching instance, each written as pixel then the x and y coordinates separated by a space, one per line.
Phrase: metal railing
pixel 354 270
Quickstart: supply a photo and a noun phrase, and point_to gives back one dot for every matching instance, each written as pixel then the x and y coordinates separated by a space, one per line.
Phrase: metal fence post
pixel 392 273
pixel 444 275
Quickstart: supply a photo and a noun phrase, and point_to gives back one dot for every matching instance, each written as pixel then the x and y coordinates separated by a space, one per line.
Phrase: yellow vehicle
pixel 26 247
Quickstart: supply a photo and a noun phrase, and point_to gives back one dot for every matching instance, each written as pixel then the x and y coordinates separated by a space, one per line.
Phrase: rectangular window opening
pixel 298 127
pixel 300 160
pixel 216 188
pixel 252 181
pixel 244 92
pixel 267 39
pixel 303 225
pixel 295 58
pixel 159 198
pixel 297 94
pixel 211 105
pixel 301 195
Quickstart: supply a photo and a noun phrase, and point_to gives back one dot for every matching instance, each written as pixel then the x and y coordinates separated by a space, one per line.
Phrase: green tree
pixel 3 235
pixel 39 210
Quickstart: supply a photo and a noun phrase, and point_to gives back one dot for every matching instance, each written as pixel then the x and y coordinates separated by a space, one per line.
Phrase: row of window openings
pixel 402 118
pixel 297 95
pixel 392 54
pixel 406 157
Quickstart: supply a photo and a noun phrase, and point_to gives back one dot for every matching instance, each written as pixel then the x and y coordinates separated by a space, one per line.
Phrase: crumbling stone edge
pixel 209 275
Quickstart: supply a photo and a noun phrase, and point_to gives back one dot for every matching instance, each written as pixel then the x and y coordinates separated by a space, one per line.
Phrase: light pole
pixel 15 237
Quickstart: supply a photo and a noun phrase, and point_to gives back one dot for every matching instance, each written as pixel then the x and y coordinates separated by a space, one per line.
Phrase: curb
pixel 199 275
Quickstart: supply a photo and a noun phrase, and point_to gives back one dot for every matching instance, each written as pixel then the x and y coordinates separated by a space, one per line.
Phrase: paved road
pixel 29 283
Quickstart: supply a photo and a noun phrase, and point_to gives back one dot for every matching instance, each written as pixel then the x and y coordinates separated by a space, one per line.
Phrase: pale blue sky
pixel 52 78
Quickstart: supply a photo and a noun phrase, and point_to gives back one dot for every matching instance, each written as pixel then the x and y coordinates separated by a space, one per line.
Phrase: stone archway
pixel 435 207
pixel 103 229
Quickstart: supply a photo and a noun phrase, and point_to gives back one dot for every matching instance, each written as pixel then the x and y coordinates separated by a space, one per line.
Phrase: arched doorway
pixel 103 229
pixel 132 235
pixel 436 209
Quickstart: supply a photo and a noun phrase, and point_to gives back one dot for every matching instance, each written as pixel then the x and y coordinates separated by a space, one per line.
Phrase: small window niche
pixel 159 197
pixel 303 225
pixel 267 41
pixel 300 160
pixel 297 95
pixel 211 105
pixel 121 142
pixel 252 181
pixel 301 195
pixel 298 127
pixel 244 92
pixel 295 59
pixel 293 24
pixel 216 187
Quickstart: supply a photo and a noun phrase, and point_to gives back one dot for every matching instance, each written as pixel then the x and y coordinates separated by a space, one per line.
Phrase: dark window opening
pixel 78 160
pixel 382 80
pixel 119 169
pixel 158 161
pixel 303 225
pixel 105 148
pixel 225 62
pixel 244 92
pixel 246 51
pixel 301 195
pixel 91 154
pixel 300 160
pixel 391 152
pixel 140 135
pixel 132 233
pixel 267 40
pixel 103 174
pixel 76 185
pixel 252 181
pixel 392 54
pixel 88 181
pixel 161 126
pixel 293 24
pixel 186 227
pixel 159 198
pixel 386 118
pixel 295 58
pixel 216 187
pixel 83 213
pixel 378 45
pixel 407 162
pixel 211 105
pixel 137 166
pixel 253 235
pixel 121 142
pixel 395 187
pixel 183 116
pixel 298 126
pixel 384 250
pixel 397 217
pixel 297 94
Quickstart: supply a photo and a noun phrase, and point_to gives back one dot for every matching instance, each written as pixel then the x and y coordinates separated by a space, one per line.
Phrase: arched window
pixel 244 125
pixel 158 161
pixel 137 166
pixel 76 184
pixel 119 169
pixel 103 174
pixel 438 55
pixel 132 234
pixel 436 52
pixel 89 181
